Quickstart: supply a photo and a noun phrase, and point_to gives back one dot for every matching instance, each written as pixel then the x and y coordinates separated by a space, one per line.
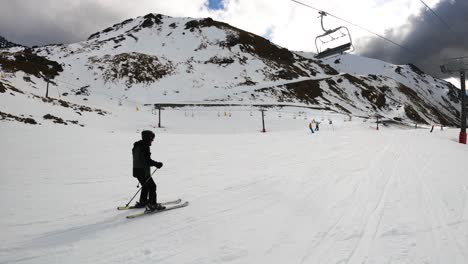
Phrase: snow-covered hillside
pixel 160 59
pixel 157 58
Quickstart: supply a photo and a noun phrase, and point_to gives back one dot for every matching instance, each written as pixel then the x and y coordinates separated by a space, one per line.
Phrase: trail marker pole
pixel 263 120
pixel 159 116
pixel 47 89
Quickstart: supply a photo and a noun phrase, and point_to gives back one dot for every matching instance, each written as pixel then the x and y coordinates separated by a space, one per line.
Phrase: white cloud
pixel 455 81
pixel 295 26
pixel 176 8
pixel 289 24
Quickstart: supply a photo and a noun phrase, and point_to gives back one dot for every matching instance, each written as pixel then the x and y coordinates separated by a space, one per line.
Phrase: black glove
pixel 159 165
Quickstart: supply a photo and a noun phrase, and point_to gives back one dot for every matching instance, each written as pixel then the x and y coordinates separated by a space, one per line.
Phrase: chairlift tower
pixel 331 35
pixel 459 65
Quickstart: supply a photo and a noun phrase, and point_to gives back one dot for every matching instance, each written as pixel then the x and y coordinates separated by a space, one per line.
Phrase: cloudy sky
pixel 426 38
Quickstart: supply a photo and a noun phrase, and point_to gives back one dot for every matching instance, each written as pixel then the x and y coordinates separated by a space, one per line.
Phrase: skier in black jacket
pixel 141 170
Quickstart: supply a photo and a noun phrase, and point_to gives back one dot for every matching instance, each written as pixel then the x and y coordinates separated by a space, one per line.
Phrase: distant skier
pixel 141 170
pixel 317 126
pixel 330 122
pixel 432 128
pixel 311 127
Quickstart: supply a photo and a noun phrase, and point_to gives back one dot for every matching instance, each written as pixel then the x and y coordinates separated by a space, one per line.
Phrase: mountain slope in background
pixel 161 59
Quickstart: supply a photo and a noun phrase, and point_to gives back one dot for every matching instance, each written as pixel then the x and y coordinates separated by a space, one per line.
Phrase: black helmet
pixel 147 135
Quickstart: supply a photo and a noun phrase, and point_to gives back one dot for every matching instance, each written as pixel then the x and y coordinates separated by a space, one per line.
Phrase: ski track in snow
pixel 351 196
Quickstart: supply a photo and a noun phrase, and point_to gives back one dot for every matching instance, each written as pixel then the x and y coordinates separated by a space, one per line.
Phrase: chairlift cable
pixel 457 36
pixel 435 14
pixel 369 31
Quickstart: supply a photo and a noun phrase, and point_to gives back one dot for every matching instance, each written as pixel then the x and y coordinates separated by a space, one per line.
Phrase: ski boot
pixel 140 204
pixel 154 207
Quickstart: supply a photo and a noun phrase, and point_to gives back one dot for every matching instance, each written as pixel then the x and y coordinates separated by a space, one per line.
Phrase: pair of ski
pixel 170 205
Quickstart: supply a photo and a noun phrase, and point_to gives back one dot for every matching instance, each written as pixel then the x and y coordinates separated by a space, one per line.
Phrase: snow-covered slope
pixel 398 90
pixel 440 97
pixel 346 194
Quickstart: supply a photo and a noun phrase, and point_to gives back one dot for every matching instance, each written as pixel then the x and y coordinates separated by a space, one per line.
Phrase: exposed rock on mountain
pixel 29 63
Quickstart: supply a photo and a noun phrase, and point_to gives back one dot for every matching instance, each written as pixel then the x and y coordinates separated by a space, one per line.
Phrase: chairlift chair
pixel 331 36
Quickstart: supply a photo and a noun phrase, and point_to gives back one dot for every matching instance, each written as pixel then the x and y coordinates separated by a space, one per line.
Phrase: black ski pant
pixel 148 190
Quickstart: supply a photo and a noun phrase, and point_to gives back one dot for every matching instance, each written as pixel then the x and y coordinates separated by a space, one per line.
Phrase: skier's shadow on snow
pixel 73 234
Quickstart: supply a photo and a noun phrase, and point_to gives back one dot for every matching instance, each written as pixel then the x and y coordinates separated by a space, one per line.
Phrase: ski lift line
pixel 435 14
pixel 208 110
pixel 269 107
pixel 457 36
pixel 230 110
pixel 198 110
pixel 367 30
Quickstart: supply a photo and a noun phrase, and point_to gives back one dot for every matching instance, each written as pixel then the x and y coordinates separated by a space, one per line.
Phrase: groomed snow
pixel 346 194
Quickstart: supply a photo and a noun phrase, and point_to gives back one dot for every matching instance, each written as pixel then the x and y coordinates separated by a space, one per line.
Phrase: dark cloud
pixel 31 22
pixel 427 39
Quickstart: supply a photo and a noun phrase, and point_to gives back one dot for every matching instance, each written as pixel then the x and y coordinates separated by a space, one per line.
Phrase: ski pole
pixel 142 186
